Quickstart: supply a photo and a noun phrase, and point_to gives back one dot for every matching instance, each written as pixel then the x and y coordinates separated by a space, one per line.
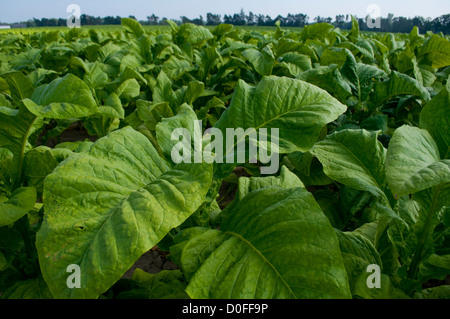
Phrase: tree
pixel 340 21
pixel 153 19
pixel 185 19
pixel 213 19
pixel 198 21
pixel 251 18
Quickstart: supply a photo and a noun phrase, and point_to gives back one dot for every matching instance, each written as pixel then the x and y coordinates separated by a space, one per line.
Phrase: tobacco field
pixel 358 207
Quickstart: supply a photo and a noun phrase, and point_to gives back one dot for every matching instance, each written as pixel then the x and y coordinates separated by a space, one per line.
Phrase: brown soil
pixel 75 132
pixel 152 262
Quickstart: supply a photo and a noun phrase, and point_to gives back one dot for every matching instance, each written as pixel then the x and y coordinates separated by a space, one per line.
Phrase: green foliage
pixel 363 180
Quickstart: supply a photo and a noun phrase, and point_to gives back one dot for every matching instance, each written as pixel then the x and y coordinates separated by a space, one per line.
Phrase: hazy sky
pixel 22 10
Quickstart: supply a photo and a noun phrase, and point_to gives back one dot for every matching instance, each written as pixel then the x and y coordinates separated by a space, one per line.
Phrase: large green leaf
pixel 354 158
pixel 316 31
pixel 435 118
pixel 167 284
pixel 330 79
pixel 358 253
pixel 28 289
pixel 185 119
pixel 64 98
pixel 19 85
pixel 263 61
pixel 40 162
pixel 132 26
pixel 287 179
pixel 275 243
pixel 298 109
pixel 21 202
pixel 413 162
pixel 193 34
pixel 436 50
pixel 16 127
pixel 398 84
pixel 106 207
pixel 439 292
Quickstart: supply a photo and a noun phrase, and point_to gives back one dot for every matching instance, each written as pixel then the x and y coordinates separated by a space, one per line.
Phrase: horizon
pixel 25 10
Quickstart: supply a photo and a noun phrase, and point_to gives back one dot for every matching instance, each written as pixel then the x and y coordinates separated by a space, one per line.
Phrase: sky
pixel 23 10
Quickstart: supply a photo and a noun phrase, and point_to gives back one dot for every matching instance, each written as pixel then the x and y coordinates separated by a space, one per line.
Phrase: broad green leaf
pixel 298 109
pixel 64 98
pixel 132 26
pixel 153 113
pixel 28 289
pixel 316 31
pixel 222 29
pixel 16 127
pixel 19 85
pixel 19 204
pixel 283 235
pixel 175 68
pixel 263 61
pixel 27 59
pixel 194 90
pixel 435 118
pixel 422 236
pixel 185 119
pixel 163 92
pixel 286 180
pixel 330 79
pixel 439 292
pixel 376 123
pixel 107 207
pixel 41 161
pixel 413 162
pixel 354 32
pixel 354 158
pixel 386 291
pixel 435 267
pixel 333 55
pixel 286 45
pixel 37 76
pixel 113 107
pixel 296 63
pixel 436 50
pixel 128 89
pixel 167 284
pixel 95 76
pixel 194 34
pixel 397 85
pixel 358 253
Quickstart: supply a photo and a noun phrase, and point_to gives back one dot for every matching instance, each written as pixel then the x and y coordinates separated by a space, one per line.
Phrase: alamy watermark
pixel 241 146
pixel 374 279
pixel 373 20
pixel 74 279
pixel 74 20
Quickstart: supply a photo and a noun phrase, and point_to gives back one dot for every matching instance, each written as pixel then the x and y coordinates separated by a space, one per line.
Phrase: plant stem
pixel 23 227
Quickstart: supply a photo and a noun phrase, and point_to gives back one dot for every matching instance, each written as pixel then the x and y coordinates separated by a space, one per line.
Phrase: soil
pixel 75 132
pixel 152 262
pixel 435 283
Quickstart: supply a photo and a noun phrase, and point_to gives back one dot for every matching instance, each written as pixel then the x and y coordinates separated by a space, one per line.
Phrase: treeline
pixel 387 24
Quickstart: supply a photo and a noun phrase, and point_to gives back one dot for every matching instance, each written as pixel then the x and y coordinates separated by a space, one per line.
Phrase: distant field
pixel 112 28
